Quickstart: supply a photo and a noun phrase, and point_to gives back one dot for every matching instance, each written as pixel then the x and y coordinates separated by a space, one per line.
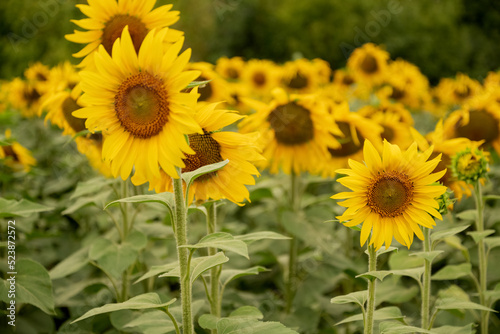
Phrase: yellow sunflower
pixel 106 20
pixel 38 75
pixel 25 97
pixel 296 131
pixel 16 156
pixel 368 64
pixel 391 195
pixel 230 68
pixel 262 76
pixel 237 91
pixel 323 70
pixel 477 120
pixel 447 148
pixel 403 115
pixel 215 146
pixel 355 130
pixel 300 76
pixel 395 130
pixel 64 76
pixel 452 92
pixel 138 104
pixel 214 91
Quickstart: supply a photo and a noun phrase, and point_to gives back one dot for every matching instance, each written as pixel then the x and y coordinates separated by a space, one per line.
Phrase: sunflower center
pixel 347 144
pixel 31 95
pixel 206 90
pixel 292 124
pixel 41 77
pixel 141 105
pixel 259 79
pixel 68 106
pixel 9 152
pixel 369 64
pixel 114 28
pixel 298 81
pixel 390 193
pixel 443 164
pixel 207 152
pixel 347 80
pixel 397 94
pixel 482 126
pixel 388 133
pixel 462 93
pixel 232 73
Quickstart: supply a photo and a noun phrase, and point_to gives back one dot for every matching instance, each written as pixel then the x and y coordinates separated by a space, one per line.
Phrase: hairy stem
pixel 294 247
pixel 426 288
pixel 372 285
pixel 215 300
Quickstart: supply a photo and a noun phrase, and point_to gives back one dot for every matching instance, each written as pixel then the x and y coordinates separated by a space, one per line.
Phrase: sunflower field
pixel 242 166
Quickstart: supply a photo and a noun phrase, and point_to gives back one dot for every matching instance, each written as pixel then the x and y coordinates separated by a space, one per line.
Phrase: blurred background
pixel 442 37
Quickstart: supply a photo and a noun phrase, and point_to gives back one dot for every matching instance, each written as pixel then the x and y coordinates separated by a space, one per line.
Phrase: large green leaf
pixel 227 275
pixel 97 200
pixel 401 260
pixel 467 215
pixel 22 208
pixel 378 274
pixel 91 187
pixel 386 313
pixel 165 198
pixel 395 327
pixel 492 242
pixel 247 326
pixel 453 271
pixel 150 322
pixel 358 297
pixel 251 237
pixel 71 264
pixel 458 304
pixel 429 256
pixel 415 273
pixel 157 270
pixel 206 263
pixel 149 300
pixel 436 236
pixel 478 236
pixel 467 329
pixel 189 177
pixel 222 240
pixel 32 286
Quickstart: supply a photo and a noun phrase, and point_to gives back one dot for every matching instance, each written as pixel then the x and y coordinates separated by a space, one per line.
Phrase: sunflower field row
pixel 142 192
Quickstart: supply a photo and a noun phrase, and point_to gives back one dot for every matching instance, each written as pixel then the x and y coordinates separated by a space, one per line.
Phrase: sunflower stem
pixel 125 228
pixel 293 250
pixel 372 284
pixel 426 288
pixel 483 270
pixel 180 221
pixel 215 302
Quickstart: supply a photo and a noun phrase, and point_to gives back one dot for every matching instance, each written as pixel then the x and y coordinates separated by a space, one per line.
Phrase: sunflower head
pixel 470 165
pixel 391 195
pixel 16 156
pixel 368 64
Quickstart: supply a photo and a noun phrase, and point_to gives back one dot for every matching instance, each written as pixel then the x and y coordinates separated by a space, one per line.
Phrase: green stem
pixel 177 330
pixel 372 285
pixel 125 229
pixel 294 247
pixel 478 197
pixel 180 221
pixel 426 288
pixel 215 300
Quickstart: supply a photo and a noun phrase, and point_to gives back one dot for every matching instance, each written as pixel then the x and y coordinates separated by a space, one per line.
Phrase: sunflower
pixel 323 70
pixel 395 130
pixel 38 75
pixel 296 131
pixel 25 97
pixel 300 76
pixel 106 20
pixel 355 130
pixel 92 149
pixel 391 195
pixel 64 76
pixel 452 92
pixel 262 76
pixel 477 120
pixel 237 91
pixel 447 148
pixel 215 146
pixel 368 64
pixel 16 156
pixel 403 115
pixel 214 91
pixel 138 104
pixel 230 68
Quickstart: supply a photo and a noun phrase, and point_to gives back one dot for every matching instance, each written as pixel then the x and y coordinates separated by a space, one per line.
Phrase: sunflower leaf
pixel 91 187
pixel 492 242
pixel 358 297
pixel 229 275
pixel 429 256
pixel 221 240
pixel 379 274
pixel 189 177
pixel 251 237
pixel 467 329
pixel 165 198
pixel 439 235
pixel 198 266
pixel 386 313
pixel 453 271
pixel 415 273
pixel 458 304
pixel 395 327
pixel 22 208
pixel 193 84
pixel 480 235
pixel 467 215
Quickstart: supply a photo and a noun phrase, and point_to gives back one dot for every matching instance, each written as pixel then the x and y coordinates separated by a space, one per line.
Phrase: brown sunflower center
pixel 41 77
pixel 369 64
pixel 390 193
pixel 298 81
pixel 347 144
pixel 347 80
pixel 207 152
pixel 292 124
pixel 388 133
pixel 232 73
pixel 114 27
pixel 259 79
pixel 482 126
pixel 397 94
pixel 206 90
pixel 31 95
pixel 462 92
pixel 68 106
pixel 141 105
pixel 9 152
pixel 445 163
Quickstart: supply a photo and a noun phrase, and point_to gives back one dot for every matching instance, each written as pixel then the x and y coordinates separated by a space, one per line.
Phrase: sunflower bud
pixel 469 165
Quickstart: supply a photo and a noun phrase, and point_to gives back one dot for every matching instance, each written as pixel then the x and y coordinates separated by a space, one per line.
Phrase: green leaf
pixel 97 200
pixel 402 260
pixel 467 329
pixel 453 271
pixel 415 273
pixel 165 198
pixel 371 275
pixel 206 263
pixel 222 240
pixel 91 187
pixel 199 208
pixel 195 262
pixel 33 286
pixel 247 312
pixel 193 84
pixel 429 256
pixel 157 270
pixel 71 264
pixel 227 275
pixel 436 236
pixel 386 313
pixel 208 321
pixel 478 236
pixel 149 300
pixel 467 215
pixel 455 242
pixel 22 208
pixel 458 304
pixel 491 197
pixel 395 327
pixel 251 237
pixel 189 177
pixel 358 297
pixel 492 242
pixel 235 325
